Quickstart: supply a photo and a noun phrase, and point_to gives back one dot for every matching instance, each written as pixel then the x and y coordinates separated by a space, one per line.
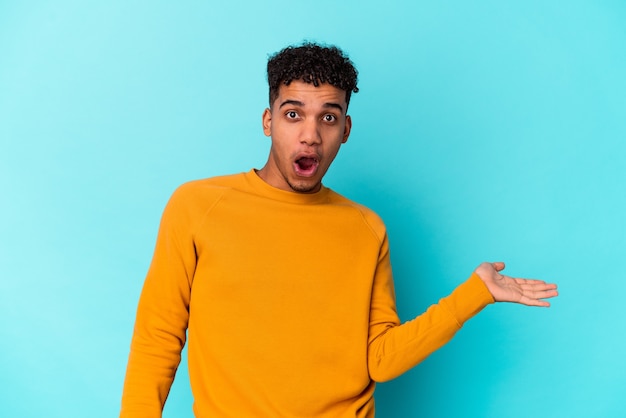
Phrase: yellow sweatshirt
pixel 288 303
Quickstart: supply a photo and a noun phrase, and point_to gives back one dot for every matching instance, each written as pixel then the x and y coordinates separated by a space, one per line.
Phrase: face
pixel 307 125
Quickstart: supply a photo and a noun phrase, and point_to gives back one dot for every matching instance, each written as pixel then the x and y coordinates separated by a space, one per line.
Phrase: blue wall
pixel 484 130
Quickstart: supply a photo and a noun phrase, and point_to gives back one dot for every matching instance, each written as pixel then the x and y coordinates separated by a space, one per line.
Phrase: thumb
pixel 498 265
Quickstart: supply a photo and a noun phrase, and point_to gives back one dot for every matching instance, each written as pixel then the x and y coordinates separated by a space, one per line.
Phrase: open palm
pixel 510 289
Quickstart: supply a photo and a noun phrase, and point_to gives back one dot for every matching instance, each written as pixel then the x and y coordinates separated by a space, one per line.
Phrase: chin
pixel 305 187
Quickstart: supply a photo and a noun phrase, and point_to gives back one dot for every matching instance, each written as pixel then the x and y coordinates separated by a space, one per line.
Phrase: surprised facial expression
pixel 307 125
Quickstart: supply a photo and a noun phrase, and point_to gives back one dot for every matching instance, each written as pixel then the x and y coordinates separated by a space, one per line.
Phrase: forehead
pixel 308 95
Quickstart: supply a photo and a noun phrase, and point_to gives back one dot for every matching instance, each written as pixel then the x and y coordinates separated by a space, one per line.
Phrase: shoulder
pixel 368 216
pixel 207 188
pixel 196 197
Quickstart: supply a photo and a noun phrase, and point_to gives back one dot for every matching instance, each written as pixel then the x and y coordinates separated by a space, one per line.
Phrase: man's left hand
pixel 510 289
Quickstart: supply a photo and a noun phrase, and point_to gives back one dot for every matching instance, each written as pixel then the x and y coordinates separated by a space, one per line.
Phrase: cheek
pixel 332 151
pixel 280 149
pixel 283 134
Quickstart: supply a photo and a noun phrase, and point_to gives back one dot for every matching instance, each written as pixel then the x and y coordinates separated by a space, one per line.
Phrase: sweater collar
pixel 271 192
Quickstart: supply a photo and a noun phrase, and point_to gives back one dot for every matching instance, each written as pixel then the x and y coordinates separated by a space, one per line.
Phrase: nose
pixel 310 134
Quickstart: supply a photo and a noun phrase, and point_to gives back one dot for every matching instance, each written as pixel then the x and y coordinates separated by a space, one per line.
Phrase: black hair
pixel 312 63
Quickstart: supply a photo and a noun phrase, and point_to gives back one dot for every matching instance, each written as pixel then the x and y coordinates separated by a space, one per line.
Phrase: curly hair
pixel 312 63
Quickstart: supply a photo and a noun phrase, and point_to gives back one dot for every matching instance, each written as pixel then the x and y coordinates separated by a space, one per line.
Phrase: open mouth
pixel 306 166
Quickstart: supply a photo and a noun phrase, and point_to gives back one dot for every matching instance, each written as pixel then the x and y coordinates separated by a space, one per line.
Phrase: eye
pixel 292 114
pixel 329 118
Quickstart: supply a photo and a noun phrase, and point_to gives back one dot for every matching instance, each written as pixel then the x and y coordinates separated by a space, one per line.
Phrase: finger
pixel 534 302
pixel 498 265
pixel 534 282
pixel 533 289
pixel 539 294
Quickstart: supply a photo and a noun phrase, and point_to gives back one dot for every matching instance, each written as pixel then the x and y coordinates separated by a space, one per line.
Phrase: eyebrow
pixel 291 102
pixel 334 105
pixel 301 104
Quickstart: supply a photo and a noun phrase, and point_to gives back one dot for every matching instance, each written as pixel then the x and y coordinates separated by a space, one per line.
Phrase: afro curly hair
pixel 314 64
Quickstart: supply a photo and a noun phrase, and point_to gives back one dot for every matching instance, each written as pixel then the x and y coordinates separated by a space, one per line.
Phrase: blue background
pixel 484 130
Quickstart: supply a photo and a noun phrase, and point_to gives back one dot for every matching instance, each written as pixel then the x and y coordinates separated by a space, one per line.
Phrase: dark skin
pixel 304 122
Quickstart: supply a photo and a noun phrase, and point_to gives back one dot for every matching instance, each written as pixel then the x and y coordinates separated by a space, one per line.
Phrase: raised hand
pixel 510 289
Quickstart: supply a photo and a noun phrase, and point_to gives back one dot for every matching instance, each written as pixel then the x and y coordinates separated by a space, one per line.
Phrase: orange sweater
pixel 288 302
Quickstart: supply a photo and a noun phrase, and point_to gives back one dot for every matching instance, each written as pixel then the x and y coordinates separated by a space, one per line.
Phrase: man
pixel 284 286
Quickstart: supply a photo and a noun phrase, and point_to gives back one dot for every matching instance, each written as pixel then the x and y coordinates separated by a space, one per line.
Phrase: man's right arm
pixel 162 315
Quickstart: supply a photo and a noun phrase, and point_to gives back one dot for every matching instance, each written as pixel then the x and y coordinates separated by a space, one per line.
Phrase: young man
pixel 283 286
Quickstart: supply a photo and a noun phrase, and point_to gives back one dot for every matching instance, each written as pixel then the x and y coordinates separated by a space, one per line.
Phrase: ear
pixel 347 129
pixel 267 122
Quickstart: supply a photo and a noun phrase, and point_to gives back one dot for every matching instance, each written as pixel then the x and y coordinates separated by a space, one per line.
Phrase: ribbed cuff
pixel 468 299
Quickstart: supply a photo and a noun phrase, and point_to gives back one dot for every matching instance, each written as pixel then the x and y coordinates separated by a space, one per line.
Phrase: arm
pixel 398 348
pixel 393 348
pixel 162 316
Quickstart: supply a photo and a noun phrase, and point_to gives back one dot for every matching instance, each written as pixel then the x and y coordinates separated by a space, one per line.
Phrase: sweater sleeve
pixel 162 315
pixel 394 348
